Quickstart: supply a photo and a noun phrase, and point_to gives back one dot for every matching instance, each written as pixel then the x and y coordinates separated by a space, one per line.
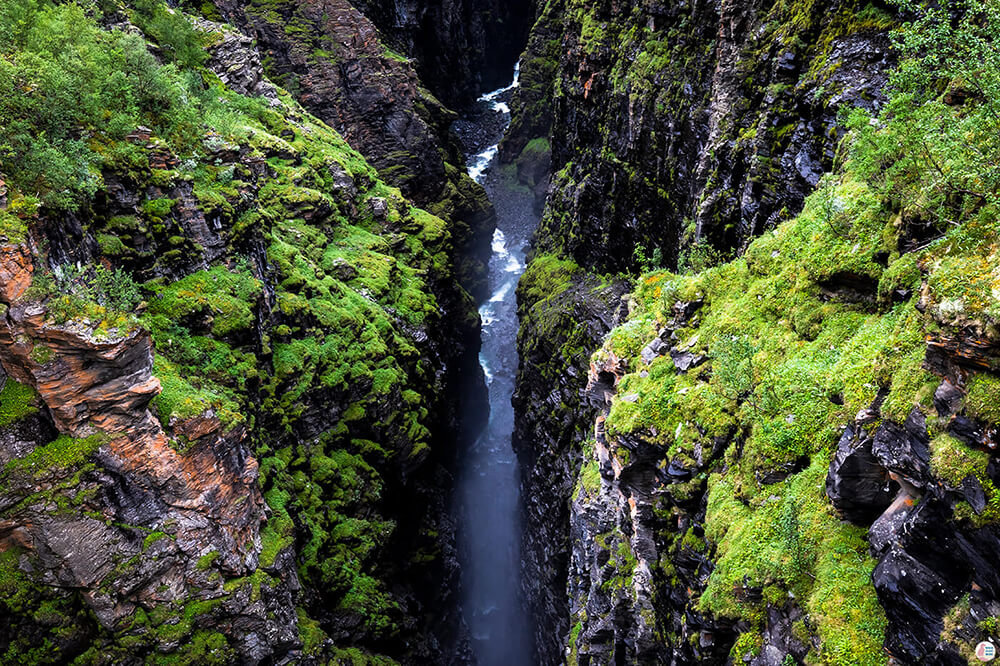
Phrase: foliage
pixel 322 330
pixel 70 93
pixel 932 149
pixel 113 288
pixel 697 257
pixel 818 319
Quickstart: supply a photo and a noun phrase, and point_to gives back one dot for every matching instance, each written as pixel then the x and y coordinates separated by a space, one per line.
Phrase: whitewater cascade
pixel 488 484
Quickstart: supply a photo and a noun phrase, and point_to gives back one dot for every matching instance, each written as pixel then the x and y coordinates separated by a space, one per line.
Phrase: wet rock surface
pixel 933 555
pixel 627 519
pixel 99 388
pixel 554 417
pixel 858 485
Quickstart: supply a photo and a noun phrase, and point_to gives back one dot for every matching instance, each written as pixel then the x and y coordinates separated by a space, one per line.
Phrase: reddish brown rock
pixel 90 384
pixel 200 494
pixel 16 268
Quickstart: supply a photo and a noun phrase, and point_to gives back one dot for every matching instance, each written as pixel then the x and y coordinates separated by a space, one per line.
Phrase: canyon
pixel 324 342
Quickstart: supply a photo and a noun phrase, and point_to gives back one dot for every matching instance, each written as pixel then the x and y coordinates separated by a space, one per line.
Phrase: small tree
pixel 934 147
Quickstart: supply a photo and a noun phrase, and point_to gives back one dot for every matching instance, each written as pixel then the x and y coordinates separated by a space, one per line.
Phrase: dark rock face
pixel 935 575
pixel 720 116
pixel 137 484
pixel 903 450
pixel 462 47
pixel 857 484
pixel 557 336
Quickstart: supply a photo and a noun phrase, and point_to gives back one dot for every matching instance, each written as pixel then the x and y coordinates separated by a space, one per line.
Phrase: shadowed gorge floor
pixel 489 528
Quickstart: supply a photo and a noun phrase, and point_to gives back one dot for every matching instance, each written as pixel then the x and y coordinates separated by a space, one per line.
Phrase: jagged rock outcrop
pixel 564 315
pixel 692 126
pixel 152 525
pixel 628 585
pixel 768 488
pixel 934 542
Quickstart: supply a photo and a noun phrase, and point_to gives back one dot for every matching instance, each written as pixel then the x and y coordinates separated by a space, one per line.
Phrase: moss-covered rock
pixel 293 323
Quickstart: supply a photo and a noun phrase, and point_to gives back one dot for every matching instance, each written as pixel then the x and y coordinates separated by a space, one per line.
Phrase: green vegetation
pixel 72 91
pixel 816 320
pixel 17 401
pixel 64 453
pixel 315 307
pixel 546 276
pixel 983 399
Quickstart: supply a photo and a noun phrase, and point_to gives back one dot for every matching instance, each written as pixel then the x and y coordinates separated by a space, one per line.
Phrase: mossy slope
pixel 290 293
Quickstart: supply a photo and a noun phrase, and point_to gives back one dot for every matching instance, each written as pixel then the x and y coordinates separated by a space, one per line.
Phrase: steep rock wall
pixel 332 59
pixel 676 132
pixel 826 499
pixel 691 121
pixel 564 315
pixel 229 375
pixel 462 47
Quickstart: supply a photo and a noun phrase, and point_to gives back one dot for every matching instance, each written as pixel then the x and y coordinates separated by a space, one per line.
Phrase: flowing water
pixel 488 480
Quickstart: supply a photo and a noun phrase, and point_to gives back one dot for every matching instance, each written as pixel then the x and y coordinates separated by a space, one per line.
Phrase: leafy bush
pixel 70 93
pixel 933 149
pixel 111 287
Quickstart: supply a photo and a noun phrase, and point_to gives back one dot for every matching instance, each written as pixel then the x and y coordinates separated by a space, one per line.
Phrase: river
pixel 488 484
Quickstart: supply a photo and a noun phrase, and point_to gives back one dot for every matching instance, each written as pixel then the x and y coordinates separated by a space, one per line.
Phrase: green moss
pixel 111 246
pixel 153 537
pixel 225 298
pixel 339 330
pixel 953 462
pixel 544 277
pixel 17 401
pixel 63 453
pixel 574 635
pixel 179 398
pixel 590 476
pixel 157 209
pixel 747 646
pixel 983 399
pixel 912 385
pixel 205 561
pixel 12 228
pixel 310 633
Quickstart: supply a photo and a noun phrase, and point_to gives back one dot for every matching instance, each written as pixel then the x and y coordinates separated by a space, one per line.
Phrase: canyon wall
pixel 779 452
pixel 232 356
pixel 665 126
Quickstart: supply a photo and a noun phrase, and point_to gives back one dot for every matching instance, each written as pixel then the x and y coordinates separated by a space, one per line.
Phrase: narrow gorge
pixel 488 493
pixel 326 341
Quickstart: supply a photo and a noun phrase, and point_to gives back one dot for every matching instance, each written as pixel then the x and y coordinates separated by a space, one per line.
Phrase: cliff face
pixel 820 492
pixel 674 131
pixel 333 60
pixel 461 47
pixel 788 457
pixel 229 357
pixel 703 120
pixel 564 314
